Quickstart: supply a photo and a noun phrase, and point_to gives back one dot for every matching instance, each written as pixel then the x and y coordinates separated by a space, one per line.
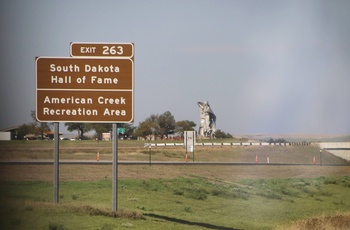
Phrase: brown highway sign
pixel 84 106
pixel 84 90
pixel 84 73
pixel 110 50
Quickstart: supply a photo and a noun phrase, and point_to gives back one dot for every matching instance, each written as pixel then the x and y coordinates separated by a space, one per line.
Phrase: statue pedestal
pixel 203 138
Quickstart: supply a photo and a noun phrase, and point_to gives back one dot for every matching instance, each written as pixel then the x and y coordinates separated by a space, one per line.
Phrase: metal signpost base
pixel 56 163
pixel 115 168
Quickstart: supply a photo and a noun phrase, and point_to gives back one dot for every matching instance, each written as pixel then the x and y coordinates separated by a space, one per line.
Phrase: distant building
pixel 12 134
pixel 9 133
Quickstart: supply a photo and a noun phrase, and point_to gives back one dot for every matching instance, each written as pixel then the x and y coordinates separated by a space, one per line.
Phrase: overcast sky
pixel 269 66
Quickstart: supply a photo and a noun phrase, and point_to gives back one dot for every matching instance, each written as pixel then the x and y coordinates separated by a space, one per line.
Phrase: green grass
pixel 173 202
pixel 186 203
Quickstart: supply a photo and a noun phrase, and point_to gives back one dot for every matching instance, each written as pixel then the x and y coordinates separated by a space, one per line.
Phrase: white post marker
pixel 189 142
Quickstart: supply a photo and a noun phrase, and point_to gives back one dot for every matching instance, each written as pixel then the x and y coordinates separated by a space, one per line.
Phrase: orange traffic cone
pixel 98 156
pixel 186 158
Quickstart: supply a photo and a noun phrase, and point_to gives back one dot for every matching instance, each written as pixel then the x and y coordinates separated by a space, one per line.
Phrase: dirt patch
pixel 337 221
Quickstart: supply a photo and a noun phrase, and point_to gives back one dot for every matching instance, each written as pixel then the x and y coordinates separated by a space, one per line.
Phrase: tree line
pixel 156 126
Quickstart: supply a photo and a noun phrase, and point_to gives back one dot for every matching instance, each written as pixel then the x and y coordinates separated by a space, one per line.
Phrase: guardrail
pixel 224 144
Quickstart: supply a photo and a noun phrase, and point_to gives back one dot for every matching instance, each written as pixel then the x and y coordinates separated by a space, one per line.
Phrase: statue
pixel 207 126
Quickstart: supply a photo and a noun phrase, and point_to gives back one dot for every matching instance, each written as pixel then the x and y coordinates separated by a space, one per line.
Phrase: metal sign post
pixel 115 168
pixel 56 164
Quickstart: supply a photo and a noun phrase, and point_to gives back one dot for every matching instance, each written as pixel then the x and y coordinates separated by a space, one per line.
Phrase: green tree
pixel 42 127
pixel 185 125
pixel 152 125
pixel 162 125
pixel 80 127
pixel 101 128
pixel 149 127
pixel 25 129
pixel 146 129
pixel 166 122
pixel 221 134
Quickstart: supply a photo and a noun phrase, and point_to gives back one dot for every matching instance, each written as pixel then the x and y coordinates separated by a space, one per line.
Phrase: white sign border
pixel 86 57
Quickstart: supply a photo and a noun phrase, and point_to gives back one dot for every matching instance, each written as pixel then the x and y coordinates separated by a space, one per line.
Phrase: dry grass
pixel 80 151
pixel 82 209
pixel 221 173
pixel 339 221
pixel 276 154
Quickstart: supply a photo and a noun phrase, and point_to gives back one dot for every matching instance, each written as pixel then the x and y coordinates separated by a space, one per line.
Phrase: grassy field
pixel 135 150
pixel 173 197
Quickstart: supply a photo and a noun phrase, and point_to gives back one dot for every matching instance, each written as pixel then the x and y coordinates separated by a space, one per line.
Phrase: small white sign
pixel 189 140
